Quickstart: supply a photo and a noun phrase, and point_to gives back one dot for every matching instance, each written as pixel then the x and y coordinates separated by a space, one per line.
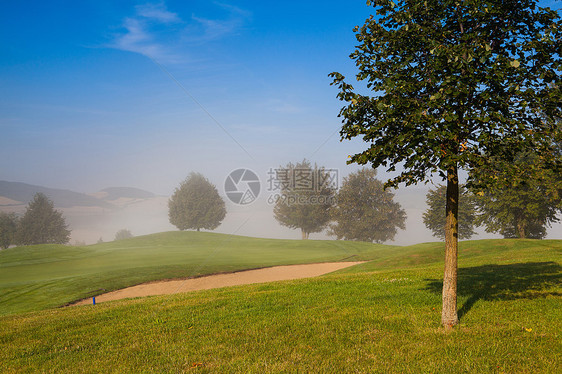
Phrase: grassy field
pixel 382 316
pixel 46 276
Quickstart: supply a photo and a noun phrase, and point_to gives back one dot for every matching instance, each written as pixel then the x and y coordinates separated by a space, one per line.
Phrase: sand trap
pixel 272 274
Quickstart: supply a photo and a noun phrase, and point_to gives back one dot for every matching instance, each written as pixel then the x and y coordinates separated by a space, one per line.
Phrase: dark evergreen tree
pixel 42 224
pixel 8 227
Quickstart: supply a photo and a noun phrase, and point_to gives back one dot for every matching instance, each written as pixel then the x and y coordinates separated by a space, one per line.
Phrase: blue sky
pixel 104 93
pixel 97 94
pixel 101 93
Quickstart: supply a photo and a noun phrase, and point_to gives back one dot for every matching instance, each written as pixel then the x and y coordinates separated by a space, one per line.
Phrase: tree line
pixel 362 209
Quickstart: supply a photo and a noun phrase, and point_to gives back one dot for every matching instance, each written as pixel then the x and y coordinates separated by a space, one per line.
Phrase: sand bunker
pixel 272 274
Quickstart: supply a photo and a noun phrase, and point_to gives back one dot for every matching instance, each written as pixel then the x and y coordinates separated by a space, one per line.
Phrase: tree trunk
pixel 198 229
pixel 521 230
pixel 449 316
pixel 304 234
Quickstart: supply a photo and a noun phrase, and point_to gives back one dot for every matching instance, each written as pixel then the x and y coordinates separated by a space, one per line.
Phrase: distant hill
pixel 22 192
pixel 114 193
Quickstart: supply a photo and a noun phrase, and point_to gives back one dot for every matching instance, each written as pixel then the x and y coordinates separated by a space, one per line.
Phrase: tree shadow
pixel 503 282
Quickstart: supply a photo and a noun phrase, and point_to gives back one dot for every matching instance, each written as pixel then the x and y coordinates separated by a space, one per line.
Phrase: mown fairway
pixel 382 316
pixel 45 276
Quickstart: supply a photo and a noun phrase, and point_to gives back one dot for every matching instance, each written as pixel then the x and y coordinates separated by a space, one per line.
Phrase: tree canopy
pixel 42 224
pixel 523 201
pixel 196 204
pixel 434 217
pixel 8 227
pixel 365 211
pixel 306 197
pixel 455 82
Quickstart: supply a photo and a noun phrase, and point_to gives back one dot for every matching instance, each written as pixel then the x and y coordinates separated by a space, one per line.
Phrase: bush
pixel 123 234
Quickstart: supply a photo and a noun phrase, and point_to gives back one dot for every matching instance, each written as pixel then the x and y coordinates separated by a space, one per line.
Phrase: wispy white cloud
pixel 213 29
pixel 139 39
pixel 217 28
pixel 145 35
pixel 160 34
pixel 157 12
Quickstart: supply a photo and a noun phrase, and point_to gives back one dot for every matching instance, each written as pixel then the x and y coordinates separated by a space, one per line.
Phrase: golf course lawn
pixel 379 316
pixel 47 276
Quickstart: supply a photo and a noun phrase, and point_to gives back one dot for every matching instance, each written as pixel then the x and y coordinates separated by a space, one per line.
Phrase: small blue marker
pixel 94 299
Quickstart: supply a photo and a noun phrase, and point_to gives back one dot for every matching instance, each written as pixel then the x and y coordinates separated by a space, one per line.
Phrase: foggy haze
pixel 100 94
pixel 256 219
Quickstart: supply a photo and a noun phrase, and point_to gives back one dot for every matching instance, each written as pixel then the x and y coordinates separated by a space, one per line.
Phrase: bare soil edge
pixel 263 275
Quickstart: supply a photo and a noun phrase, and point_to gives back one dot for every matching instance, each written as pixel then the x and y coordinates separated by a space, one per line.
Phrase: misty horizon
pixel 147 216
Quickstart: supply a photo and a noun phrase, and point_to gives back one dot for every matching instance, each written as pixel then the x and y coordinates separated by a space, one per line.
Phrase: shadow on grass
pixel 503 282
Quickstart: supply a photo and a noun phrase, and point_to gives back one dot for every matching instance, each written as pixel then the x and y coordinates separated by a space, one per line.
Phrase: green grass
pixel 379 317
pixel 47 276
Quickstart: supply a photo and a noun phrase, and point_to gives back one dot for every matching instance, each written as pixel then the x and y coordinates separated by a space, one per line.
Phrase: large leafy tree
pixel 8 227
pixel 42 224
pixel 434 217
pixel 196 204
pixel 365 211
pixel 523 201
pixel 306 197
pixel 455 82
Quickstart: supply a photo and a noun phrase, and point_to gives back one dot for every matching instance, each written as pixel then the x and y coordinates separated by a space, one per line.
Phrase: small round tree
pixel 123 234
pixel 435 216
pixel 42 224
pixel 365 211
pixel 196 204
